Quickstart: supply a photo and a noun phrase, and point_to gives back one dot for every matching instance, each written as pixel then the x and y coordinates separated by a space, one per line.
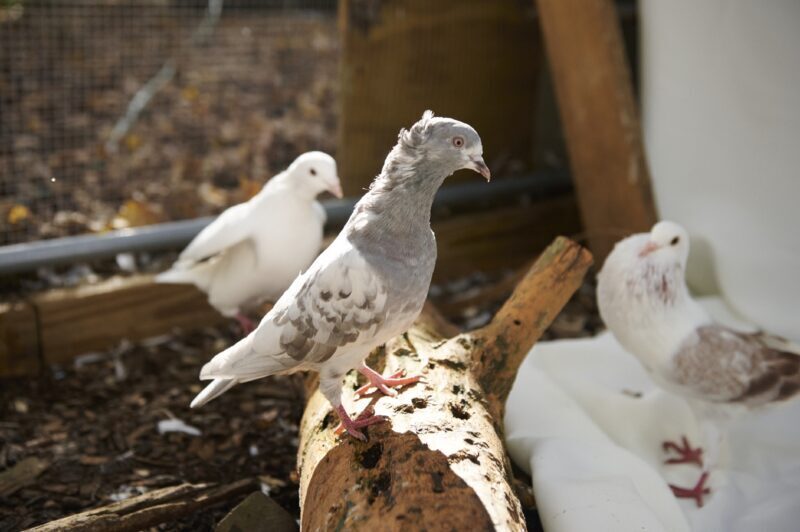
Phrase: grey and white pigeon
pixel 368 286
pixel 644 301
pixel 254 250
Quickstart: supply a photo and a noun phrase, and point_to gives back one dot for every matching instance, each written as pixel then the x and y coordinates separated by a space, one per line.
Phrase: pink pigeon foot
pixel 246 324
pixel 696 493
pixel 364 419
pixel 686 454
pixel 384 384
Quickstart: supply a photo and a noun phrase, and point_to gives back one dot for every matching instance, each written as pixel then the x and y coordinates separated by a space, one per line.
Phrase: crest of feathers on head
pixel 400 161
pixel 413 138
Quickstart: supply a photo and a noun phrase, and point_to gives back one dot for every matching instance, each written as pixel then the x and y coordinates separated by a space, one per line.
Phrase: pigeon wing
pixel 723 365
pixel 230 228
pixel 339 301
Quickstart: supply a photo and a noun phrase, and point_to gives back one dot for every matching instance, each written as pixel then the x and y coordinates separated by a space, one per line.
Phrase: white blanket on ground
pixel 586 421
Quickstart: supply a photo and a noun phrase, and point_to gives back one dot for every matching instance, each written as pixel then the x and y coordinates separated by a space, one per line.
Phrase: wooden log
pixel 476 61
pixel 96 317
pixel 149 509
pixel 439 463
pixel 598 111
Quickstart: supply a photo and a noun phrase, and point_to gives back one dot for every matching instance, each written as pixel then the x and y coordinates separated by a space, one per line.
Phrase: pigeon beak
pixel 648 249
pixel 476 163
pixel 336 189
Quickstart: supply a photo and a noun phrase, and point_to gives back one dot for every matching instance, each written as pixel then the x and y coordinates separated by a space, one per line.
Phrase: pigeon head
pixel 668 242
pixel 444 143
pixel 315 172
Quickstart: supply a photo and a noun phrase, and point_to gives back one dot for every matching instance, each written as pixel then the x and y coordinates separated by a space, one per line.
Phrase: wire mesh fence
pixel 117 113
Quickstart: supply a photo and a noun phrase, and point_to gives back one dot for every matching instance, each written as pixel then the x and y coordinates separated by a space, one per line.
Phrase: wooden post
pixel 439 463
pixel 476 61
pixel 584 46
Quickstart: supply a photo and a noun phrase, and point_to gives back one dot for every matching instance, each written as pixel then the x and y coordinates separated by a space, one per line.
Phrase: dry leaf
pixel 134 213
pixel 247 188
pixel 17 214
pixel 133 141
pixel 190 94
pixel 93 460
pixel 212 195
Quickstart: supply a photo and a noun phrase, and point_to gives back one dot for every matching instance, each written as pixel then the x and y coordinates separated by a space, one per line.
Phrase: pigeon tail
pixel 241 363
pixel 212 391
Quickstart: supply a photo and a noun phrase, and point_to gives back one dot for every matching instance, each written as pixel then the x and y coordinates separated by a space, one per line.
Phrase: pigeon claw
pixel 686 454
pixel 247 325
pixel 352 426
pixel 697 492
pixel 383 384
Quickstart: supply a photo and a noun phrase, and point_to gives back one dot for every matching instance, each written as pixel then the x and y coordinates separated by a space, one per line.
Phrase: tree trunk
pixel 439 463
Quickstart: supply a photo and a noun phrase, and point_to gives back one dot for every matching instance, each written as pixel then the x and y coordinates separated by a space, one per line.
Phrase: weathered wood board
pixel 476 61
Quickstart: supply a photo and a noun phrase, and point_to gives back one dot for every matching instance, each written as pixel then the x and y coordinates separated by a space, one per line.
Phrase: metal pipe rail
pixel 172 235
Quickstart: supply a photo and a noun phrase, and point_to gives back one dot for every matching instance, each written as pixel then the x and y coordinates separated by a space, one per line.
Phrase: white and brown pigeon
pixel 368 286
pixel 644 301
pixel 253 251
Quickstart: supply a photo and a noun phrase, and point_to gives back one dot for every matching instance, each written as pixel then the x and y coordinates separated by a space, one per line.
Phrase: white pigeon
pixel 644 301
pixel 253 250
pixel 368 286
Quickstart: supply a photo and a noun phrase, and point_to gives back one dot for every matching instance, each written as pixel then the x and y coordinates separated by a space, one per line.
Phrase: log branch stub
pixel 521 321
pixel 439 462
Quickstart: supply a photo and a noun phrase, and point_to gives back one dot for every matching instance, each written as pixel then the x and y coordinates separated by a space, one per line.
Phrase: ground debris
pixel 20 475
pixel 258 513
pixel 101 440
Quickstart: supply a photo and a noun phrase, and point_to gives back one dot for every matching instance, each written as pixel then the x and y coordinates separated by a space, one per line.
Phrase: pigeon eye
pixel 674 241
pixel 312 172
pixel 458 142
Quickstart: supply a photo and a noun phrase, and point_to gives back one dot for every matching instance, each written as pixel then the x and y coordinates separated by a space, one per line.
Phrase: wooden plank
pixel 598 111
pixel 476 61
pixel 501 238
pixel 96 317
pixel 19 345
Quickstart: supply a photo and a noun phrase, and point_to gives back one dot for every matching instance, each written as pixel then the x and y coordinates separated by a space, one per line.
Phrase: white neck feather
pixel 649 310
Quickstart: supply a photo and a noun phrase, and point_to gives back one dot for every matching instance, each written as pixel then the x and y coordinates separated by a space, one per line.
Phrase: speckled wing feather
pixel 339 301
pixel 722 365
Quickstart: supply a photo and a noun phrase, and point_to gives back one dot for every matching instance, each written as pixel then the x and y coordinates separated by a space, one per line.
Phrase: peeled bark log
pixel 439 463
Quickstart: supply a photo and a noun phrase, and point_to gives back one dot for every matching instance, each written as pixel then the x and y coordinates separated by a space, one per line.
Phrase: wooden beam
pixel 584 46
pixel 72 321
pixel 497 239
pixel 476 61
pixel 19 344
pixel 96 317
